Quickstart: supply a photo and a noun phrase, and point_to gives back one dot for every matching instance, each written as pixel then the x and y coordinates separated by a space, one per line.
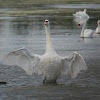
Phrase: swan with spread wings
pixel 50 65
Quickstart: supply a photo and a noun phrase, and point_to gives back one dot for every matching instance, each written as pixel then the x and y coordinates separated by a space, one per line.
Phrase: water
pixel 74 6
pixel 29 32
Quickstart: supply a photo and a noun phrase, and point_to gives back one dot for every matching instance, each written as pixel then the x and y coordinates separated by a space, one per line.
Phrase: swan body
pixel 98 28
pixel 88 33
pixel 81 18
pixel 50 65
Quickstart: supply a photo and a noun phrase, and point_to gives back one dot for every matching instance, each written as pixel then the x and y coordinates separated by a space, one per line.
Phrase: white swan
pixel 98 28
pixel 50 65
pixel 81 18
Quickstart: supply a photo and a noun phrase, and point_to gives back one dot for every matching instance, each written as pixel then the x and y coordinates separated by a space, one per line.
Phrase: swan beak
pixel 46 22
pixel 78 25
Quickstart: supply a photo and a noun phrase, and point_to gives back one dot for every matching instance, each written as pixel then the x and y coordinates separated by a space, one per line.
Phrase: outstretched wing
pixel 73 64
pixel 81 17
pixel 24 59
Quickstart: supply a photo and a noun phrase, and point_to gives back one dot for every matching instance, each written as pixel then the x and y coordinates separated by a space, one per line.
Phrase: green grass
pixel 49 1
pixel 38 12
pixel 34 11
pixel 63 12
pixel 26 3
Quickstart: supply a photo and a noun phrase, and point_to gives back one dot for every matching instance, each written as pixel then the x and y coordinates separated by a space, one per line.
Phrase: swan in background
pixel 81 18
pixel 50 65
pixel 98 28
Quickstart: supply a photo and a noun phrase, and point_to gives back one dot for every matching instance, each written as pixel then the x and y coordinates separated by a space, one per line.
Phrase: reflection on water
pixel 29 32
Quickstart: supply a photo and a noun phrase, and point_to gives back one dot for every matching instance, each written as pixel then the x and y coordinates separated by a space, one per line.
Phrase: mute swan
pixel 81 18
pixel 50 65
pixel 98 28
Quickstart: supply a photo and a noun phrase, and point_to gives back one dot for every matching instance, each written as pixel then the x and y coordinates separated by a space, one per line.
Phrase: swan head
pixel 46 22
pixel 82 23
pixel 98 22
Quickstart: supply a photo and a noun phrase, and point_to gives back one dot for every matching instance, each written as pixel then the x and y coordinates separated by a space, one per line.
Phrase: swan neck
pixel 83 28
pixel 49 47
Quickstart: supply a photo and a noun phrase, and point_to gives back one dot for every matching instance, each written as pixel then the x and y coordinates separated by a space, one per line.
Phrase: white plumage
pixel 81 18
pixel 50 65
pixel 98 28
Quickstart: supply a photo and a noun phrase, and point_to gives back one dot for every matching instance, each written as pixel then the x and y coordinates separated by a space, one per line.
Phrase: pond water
pixel 74 6
pixel 29 32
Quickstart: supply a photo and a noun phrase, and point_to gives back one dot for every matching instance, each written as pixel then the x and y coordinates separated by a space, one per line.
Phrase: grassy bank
pixel 38 12
pixel 29 7
pixel 49 1
pixel 51 12
pixel 25 3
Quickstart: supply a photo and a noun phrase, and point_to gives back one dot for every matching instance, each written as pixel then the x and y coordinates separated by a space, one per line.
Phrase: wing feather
pixel 73 64
pixel 24 59
pixel 81 17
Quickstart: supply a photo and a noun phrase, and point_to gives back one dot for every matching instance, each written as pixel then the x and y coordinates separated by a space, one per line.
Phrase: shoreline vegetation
pixel 36 7
pixel 49 12
pixel 10 2
pixel 38 12
pixel 26 3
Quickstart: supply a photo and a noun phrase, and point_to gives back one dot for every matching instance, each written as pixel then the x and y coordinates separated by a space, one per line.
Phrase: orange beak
pixel 46 22
pixel 78 25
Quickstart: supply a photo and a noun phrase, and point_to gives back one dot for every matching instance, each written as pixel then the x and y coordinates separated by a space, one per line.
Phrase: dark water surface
pixel 29 32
